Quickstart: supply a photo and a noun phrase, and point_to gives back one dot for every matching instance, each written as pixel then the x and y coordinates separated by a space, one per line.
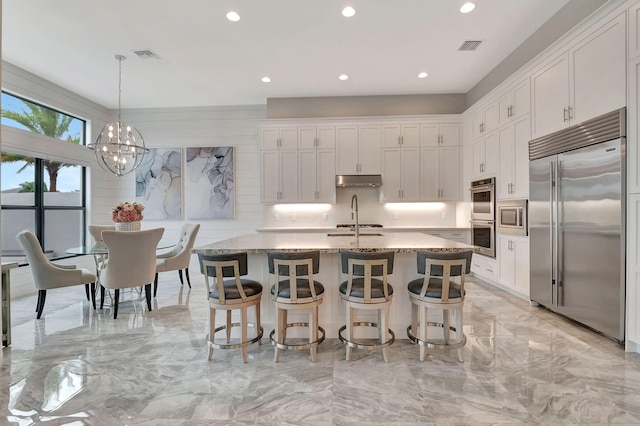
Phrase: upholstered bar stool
pixel 234 293
pixel 298 291
pixel 363 290
pixel 438 290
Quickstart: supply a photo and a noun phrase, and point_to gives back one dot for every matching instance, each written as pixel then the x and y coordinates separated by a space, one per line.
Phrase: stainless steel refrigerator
pixel 577 223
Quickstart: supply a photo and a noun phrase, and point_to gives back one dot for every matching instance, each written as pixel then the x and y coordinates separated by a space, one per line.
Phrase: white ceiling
pixel 303 45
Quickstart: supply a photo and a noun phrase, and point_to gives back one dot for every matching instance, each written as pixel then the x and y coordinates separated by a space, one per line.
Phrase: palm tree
pixel 43 121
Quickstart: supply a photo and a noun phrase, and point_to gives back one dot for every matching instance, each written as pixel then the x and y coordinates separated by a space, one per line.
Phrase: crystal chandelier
pixel 119 147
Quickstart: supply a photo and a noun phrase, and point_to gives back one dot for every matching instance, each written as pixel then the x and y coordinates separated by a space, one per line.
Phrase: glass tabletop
pixel 101 248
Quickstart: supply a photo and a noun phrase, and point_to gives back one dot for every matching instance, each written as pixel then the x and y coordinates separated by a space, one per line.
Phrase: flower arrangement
pixel 127 212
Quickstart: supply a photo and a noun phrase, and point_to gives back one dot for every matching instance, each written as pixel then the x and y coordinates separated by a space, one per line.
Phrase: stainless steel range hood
pixel 358 181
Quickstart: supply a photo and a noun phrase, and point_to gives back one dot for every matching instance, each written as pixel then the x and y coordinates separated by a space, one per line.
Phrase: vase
pixel 128 226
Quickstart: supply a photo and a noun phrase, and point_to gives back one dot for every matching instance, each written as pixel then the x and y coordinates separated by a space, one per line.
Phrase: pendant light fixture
pixel 119 147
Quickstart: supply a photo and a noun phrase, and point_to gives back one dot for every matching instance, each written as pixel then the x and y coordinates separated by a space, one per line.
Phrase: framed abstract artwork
pixel 159 183
pixel 210 183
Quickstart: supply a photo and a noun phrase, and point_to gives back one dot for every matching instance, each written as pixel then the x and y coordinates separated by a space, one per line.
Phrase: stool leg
pixel 414 320
pixel 212 328
pixel 423 332
pixel 384 331
pixel 445 322
pixel 285 321
pixel 459 331
pixel 313 331
pixel 228 329
pixel 243 327
pixel 349 331
pixel 258 323
pixel 278 334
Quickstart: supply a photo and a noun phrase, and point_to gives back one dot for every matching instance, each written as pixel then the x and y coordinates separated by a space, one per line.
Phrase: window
pixel 44 196
pixel 30 116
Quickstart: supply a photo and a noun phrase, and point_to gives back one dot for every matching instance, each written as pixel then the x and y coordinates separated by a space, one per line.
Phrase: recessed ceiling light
pixel 233 16
pixel 343 77
pixel 266 79
pixel 423 75
pixel 348 12
pixel 467 7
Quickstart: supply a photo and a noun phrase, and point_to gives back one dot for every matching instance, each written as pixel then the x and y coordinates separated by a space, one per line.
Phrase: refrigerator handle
pixel 552 234
pixel 559 242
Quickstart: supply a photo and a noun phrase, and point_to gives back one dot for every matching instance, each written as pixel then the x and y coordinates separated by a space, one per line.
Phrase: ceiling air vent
pixel 470 45
pixel 146 54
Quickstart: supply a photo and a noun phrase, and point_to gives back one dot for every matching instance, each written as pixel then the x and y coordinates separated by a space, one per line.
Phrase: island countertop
pixel 399 242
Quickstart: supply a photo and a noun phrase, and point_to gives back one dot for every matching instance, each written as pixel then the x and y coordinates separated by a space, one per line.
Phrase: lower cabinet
pixel 458 236
pixel 513 260
pixel 484 267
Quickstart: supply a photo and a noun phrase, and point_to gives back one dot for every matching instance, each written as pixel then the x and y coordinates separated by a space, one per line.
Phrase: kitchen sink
pixel 339 234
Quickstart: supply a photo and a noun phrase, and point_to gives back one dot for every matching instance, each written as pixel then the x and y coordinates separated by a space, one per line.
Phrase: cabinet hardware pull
pixel 399 140
pixel 564 111
pixel 570 113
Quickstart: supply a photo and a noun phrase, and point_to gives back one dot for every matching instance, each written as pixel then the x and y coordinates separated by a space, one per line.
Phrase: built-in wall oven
pixel 483 232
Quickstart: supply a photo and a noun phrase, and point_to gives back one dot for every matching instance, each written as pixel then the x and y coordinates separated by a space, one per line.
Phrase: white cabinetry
pixel 279 137
pixel 279 176
pixel 486 120
pixel 443 134
pixel 485 155
pixel 515 103
pixel 440 174
pixel 484 267
pixel 458 236
pixel 400 174
pixel 513 179
pixel 400 135
pixel 317 137
pixel 358 149
pixel 317 175
pixel 513 255
pixel 582 83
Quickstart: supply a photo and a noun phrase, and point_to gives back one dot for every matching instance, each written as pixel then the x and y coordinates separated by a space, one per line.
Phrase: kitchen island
pixel 332 312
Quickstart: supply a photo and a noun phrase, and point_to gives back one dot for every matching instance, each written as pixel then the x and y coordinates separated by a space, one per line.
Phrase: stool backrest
pixel 294 265
pixel 359 270
pixel 443 266
pixel 367 265
pixel 221 266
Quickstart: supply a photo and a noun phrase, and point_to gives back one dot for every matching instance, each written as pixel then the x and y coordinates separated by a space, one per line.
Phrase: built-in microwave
pixel 511 217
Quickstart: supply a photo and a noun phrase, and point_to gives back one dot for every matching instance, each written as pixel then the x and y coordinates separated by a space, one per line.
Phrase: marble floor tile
pixel 522 365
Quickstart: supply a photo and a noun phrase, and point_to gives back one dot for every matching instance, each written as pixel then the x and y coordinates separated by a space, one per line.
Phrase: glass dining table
pixel 100 253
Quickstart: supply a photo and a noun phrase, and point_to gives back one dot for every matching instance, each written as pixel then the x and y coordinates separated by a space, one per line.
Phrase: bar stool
pixel 298 291
pixel 363 291
pixel 236 293
pixel 438 290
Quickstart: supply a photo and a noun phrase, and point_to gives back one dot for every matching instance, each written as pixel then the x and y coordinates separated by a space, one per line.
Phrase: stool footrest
pixel 436 345
pixel 234 345
pixel 300 346
pixel 357 345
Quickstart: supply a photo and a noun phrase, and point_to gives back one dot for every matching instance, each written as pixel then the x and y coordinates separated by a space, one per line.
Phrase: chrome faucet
pixel 354 213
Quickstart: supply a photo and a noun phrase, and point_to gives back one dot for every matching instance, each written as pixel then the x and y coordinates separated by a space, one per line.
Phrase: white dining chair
pixel 179 257
pixel 96 231
pixel 48 275
pixel 131 262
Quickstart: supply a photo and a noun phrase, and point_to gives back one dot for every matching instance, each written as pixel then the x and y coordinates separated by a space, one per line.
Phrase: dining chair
pixel 131 262
pixel 48 275
pixel 178 257
pixel 96 231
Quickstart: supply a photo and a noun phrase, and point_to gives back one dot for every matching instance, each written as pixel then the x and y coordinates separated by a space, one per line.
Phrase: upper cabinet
pixel 400 135
pixel 485 156
pixel 486 120
pixel 440 134
pixel 320 137
pixel 276 137
pixel 358 149
pixel 513 173
pixel 515 103
pixel 586 81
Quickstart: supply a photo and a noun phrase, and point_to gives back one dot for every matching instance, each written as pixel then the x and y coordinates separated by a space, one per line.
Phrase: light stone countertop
pixel 399 242
pixel 383 229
